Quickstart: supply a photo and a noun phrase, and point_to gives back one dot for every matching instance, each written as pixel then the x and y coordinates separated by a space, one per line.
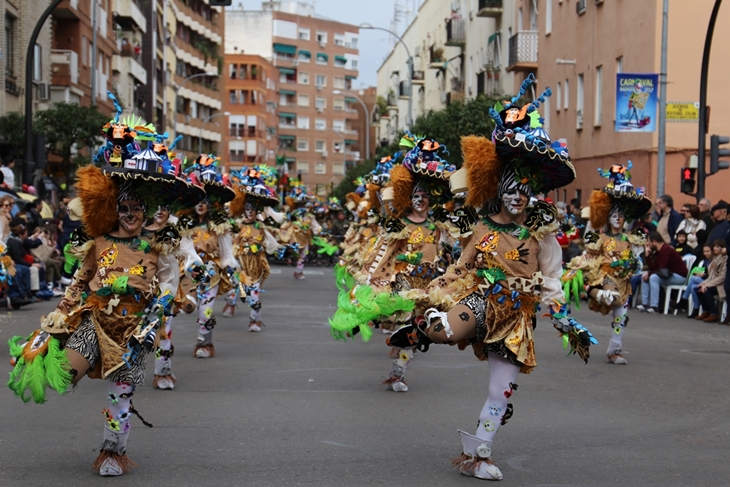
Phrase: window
pixel 320 168
pixel 339 83
pixel 84 51
pixel 302 167
pixel 546 118
pixel 322 58
pixel 9 49
pixel 303 123
pixel 320 103
pixel 321 80
pixel 303 78
pixel 620 64
pixel 319 146
pixel 338 104
pixel 599 92
pixel 236 150
pixel 559 93
pixel 321 37
pixel 303 100
pixel 566 94
pixel 338 125
pixel 302 145
pixel 320 124
pixel 232 70
pixel 303 34
pixel 338 168
pixel 579 103
pixel 339 40
pixel 232 97
pixel 548 17
pixel 304 57
pixel 37 62
pixel 336 146
pixel 353 64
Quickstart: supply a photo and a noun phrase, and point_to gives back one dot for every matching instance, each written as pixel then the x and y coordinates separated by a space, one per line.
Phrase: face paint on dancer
pixel 419 201
pixel 201 209
pixel 616 220
pixel 514 194
pixel 131 215
pixel 514 202
pixel 249 212
pixel 161 215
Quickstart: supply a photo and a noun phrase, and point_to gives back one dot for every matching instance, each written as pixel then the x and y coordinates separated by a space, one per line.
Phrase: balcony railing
pixel 523 50
pixel 419 77
pixel 455 32
pixel 490 8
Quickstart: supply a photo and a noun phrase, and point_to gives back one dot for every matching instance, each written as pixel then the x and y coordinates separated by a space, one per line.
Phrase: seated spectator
pixel 712 287
pixel 691 224
pixel 699 274
pixel 19 247
pixel 33 215
pixel 6 206
pixel 682 247
pixel 635 280
pixel 49 255
pixel 665 267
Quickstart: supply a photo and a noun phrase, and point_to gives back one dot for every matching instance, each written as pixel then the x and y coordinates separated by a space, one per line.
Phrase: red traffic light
pixel 688 180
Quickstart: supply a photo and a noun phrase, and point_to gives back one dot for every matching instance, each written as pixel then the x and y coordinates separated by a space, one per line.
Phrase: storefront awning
pixel 287 71
pixel 285 48
pixel 287 115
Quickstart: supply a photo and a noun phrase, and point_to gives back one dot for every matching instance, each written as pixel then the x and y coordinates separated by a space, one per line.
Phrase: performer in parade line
pixel 611 258
pixel 253 241
pixel 297 232
pixel 214 245
pixel 106 323
pixel 510 263
pixel 406 255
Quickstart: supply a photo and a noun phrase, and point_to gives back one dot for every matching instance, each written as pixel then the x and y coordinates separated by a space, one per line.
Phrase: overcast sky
pixel 374 45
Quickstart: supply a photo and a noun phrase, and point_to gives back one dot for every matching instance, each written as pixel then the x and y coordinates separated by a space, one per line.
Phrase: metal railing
pixel 523 47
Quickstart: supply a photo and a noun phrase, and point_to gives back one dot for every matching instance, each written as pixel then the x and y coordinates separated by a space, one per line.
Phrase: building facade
pixel 316 63
pixel 583 45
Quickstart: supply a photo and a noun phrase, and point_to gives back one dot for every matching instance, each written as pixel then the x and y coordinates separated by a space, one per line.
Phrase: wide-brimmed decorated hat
pixel 298 196
pixel 521 141
pixel 249 186
pixel 619 194
pixel 204 172
pixel 423 167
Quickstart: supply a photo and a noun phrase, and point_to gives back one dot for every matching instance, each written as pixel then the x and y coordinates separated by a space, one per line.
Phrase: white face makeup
pixel 131 215
pixel 161 215
pixel 249 212
pixel 616 220
pixel 201 209
pixel 514 202
pixel 419 202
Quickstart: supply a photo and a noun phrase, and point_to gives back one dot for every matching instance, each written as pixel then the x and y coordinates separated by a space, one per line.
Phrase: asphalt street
pixel 291 406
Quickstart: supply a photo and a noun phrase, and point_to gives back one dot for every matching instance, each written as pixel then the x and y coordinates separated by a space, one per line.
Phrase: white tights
pixel 502 376
pixel 619 325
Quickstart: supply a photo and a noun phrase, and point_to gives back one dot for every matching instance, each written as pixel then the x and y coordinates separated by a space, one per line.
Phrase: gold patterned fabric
pixel 206 245
pixel 250 251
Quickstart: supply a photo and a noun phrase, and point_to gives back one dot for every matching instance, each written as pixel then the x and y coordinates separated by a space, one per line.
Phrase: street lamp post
pixel 200 135
pixel 367 124
pixel 409 119
pixel 174 109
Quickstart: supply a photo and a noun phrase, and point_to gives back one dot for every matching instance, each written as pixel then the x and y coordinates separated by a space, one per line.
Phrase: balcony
pixel 419 77
pixel 490 8
pixel 523 51
pixel 455 32
pixel 436 57
pixel 65 67
pixel 129 65
pixel 392 102
pixel 196 22
pixel 68 9
pixel 128 13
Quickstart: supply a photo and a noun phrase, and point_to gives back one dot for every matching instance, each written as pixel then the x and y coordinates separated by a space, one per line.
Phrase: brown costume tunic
pixel 249 248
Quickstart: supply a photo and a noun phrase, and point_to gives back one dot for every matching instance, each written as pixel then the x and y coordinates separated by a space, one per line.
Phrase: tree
pixel 12 128
pixel 70 128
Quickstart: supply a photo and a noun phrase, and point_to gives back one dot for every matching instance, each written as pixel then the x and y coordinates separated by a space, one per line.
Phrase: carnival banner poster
pixel 636 102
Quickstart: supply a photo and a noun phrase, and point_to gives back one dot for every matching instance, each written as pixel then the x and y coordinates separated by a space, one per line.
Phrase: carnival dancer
pixel 612 257
pixel 510 262
pixel 106 323
pixel 213 243
pixel 297 232
pixel 253 241
pixel 405 256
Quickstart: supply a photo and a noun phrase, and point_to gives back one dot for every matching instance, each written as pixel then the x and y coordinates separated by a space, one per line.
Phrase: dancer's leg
pixel 112 459
pixel 396 379
pixel 255 305
pixel 206 323
pixel 614 354
pixel 164 378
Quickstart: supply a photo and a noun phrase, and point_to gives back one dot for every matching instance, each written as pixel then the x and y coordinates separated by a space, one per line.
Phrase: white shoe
pixel 387 331
pixel 228 312
pixel 165 383
pixel 398 387
pixel 254 326
pixel 65 281
pixel 642 308
pixel 57 293
pixel 488 471
pixel 110 468
pixel 299 275
pixel 616 359
pixel 202 353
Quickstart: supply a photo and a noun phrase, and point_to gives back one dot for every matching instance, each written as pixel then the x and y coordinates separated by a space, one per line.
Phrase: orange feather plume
pixel 98 195
pixel 483 169
pixel 402 182
pixel 600 204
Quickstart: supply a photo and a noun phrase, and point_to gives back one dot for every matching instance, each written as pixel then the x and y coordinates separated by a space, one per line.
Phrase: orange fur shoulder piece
pixel 98 195
pixel 483 169
pixel 237 204
pixel 402 181
pixel 600 204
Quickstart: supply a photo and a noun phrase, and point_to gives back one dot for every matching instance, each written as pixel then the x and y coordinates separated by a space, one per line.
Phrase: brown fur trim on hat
pixel 600 204
pixel 402 181
pixel 238 204
pixel 483 169
pixel 98 195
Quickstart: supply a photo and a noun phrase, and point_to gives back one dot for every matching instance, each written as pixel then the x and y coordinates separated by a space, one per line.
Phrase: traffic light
pixel 688 180
pixel 716 153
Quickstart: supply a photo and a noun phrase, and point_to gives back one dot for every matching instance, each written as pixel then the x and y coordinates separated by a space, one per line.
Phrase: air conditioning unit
pixel 580 7
pixel 319 87
pixel 44 92
pixel 322 43
pixel 324 153
pixel 295 62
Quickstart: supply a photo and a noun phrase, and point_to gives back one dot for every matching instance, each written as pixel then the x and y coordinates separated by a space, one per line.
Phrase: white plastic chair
pixel 689 260
pixel 723 313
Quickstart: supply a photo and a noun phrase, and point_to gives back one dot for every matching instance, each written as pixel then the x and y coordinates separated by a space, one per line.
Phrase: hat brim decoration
pixel 204 173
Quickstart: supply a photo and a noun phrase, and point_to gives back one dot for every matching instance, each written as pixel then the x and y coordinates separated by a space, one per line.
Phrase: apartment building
pixel 181 50
pixel 316 60
pixel 251 94
pixel 460 49
pixel 128 73
pixel 583 44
